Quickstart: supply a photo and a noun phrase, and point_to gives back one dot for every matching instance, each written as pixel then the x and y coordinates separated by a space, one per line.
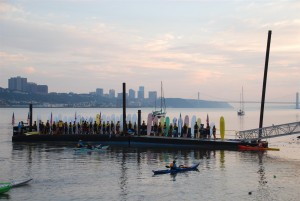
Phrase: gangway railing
pixel 270 132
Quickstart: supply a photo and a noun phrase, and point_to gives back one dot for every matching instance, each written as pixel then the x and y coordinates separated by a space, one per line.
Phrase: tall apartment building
pixel 21 84
pixel 141 92
pixel 152 96
pixel 131 94
pixel 112 93
pixel 17 83
pixel 99 92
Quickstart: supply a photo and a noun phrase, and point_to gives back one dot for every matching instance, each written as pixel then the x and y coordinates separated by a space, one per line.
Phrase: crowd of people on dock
pixel 109 127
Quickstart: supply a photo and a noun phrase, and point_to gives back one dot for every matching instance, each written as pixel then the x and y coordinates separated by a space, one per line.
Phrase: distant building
pixel 21 84
pixel 17 83
pixel 36 89
pixel 131 94
pixel 42 89
pixel 112 93
pixel 152 96
pixel 141 92
pixel 99 92
pixel 32 87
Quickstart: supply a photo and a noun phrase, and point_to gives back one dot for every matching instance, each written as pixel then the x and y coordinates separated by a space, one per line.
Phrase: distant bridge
pixel 270 132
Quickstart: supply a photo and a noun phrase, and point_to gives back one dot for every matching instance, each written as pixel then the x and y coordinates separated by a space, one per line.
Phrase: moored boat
pixel 179 169
pixel 256 148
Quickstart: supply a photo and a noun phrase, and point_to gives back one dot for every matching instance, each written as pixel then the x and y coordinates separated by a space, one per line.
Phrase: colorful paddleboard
pixel 199 124
pixel 149 123
pixel 167 126
pixel 186 121
pixel 180 125
pixel 222 127
pixel 192 126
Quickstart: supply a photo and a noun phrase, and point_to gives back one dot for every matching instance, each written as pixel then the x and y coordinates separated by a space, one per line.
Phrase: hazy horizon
pixel 211 47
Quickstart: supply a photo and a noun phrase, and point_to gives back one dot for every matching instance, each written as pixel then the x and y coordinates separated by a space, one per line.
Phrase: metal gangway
pixel 269 132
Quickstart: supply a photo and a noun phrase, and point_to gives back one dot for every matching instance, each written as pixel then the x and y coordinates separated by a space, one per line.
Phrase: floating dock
pixel 133 140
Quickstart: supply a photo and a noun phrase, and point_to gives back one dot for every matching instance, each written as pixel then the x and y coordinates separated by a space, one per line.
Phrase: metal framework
pixel 270 132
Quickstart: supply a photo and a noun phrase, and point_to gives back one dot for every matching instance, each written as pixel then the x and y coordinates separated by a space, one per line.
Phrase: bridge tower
pixel 297 100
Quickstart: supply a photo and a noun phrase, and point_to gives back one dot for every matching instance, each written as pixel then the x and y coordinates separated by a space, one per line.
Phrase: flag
pixel 207 120
pixel 28 118
pixel 51 119
pixel 13 119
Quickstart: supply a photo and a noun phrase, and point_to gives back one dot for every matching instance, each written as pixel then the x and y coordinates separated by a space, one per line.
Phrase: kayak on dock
pixel 179 169
pixel 256 148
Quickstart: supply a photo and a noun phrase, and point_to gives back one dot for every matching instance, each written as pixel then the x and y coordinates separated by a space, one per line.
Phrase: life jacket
pixel 171 165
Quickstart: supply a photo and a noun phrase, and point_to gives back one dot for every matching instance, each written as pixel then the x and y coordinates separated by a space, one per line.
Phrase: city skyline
pixel 209 47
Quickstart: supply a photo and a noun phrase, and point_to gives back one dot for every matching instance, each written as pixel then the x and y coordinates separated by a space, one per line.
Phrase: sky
pixel 211 47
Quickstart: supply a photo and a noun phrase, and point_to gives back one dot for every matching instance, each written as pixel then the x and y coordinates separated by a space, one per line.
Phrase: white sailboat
pixel 241 111
pixel 162 112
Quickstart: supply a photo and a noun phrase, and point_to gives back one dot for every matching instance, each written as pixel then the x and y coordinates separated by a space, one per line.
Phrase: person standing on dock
pixel 144 128
pixel 155 127
pixel 160 129
pixel 196 129
pixel 214 132
pixel 185 130
pixel 207 131
pixel 165 130
pixel 175 130
pixel 74 127
pixel 118 128
pixel 170 134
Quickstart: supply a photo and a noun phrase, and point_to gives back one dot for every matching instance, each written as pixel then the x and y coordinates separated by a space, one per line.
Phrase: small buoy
pixel 250 193
pixel 274 176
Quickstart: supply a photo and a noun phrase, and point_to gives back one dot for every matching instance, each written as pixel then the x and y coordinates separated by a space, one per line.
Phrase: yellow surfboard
pixel 222 127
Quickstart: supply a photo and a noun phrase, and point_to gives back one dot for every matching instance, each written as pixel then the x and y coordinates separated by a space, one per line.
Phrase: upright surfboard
pixel 192 126
pixel 98 118
pixel 149 123
pixel 167 126
pixel 174 122
pixel 187 121
pixel 211 125
pixel 162 122
pixel 180 125
pixel 222 127
pixel 199 124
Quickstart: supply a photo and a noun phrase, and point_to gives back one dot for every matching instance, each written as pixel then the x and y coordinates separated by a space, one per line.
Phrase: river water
pixel 125 173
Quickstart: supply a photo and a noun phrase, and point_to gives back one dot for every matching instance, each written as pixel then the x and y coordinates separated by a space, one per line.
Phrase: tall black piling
pixel 139 122
pixel 264 85
pixel 30 117
pixel 124 109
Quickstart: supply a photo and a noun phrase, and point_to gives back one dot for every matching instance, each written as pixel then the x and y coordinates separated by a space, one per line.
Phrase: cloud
pixel 29 70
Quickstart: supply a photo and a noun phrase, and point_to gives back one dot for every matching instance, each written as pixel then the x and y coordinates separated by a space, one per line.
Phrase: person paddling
pixel 80 144
pixel 173 165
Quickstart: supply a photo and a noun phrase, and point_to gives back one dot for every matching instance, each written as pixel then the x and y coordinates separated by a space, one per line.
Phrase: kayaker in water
pixel 80 144
pixel 173 165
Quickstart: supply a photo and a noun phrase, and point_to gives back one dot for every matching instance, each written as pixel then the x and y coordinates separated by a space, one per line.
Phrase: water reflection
pixel 263 190
pixel 4 196
pixel 123 177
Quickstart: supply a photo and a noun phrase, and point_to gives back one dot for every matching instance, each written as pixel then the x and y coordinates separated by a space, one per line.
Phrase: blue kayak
pixel 179 169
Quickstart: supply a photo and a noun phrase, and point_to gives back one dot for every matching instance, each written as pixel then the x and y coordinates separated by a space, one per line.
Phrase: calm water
pixel 125 173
